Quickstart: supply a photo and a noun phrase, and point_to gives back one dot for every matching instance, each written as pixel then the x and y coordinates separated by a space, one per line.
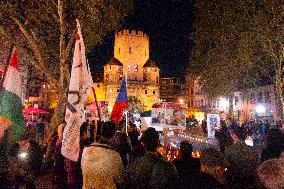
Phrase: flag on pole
pixel 120 103
pixel 79 89
pixel 11 114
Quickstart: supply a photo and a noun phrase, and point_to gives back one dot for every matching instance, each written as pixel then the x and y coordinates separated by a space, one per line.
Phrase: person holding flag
pixel 79 89
pixel 11 115
pixel 120 103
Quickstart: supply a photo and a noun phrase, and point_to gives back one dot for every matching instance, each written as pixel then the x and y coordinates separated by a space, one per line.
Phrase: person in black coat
pixel 186 165
pixel 275 145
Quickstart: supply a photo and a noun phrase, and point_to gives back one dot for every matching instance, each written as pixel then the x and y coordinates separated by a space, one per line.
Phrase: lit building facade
pixel 198 103
pixel 257 103
pixel 172 89
pixel 131 59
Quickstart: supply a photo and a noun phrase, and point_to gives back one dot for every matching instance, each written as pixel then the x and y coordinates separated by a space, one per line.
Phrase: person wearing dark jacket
pixel 223 136
pixel 186 165
pixel 150 171
pixel 275 145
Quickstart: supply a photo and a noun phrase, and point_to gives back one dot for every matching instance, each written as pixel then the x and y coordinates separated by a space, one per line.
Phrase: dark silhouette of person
pixel 186 165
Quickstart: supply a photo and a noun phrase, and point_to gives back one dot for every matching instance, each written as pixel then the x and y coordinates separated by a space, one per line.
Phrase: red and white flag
pixel 79 89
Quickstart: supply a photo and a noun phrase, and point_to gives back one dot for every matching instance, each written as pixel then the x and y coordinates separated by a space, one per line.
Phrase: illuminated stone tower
pixel 131 57
pixel 132 49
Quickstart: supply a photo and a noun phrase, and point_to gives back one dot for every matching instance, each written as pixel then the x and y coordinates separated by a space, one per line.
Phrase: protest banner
pixel 169 115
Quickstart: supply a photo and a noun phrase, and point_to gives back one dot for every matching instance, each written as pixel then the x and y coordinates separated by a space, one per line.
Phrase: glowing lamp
pixel 260 109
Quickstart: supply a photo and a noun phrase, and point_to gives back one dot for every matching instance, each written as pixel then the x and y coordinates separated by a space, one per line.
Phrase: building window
pixel 136 67
pixel 117 90
pixel 98 86
pixel 110 67
pixel 154 92
pixel 252 98
pixel 259 98
pixel 118 50
pixel 129 50
pixel 148 69
pixel 145 91
pixel 155 70
pixel 236 100
pixel 129 67
pixel 107 77
pixel 157 80
pixel 267 97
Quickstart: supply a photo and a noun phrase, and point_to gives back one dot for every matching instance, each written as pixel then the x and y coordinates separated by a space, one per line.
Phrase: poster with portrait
pixel 213 122
pixel 169 115
pixel 92 112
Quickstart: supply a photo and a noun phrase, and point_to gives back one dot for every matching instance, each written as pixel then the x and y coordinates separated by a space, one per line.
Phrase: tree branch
pixel 40 65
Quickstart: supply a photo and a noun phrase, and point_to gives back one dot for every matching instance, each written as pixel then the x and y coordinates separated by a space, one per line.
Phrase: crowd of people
pixel 110 157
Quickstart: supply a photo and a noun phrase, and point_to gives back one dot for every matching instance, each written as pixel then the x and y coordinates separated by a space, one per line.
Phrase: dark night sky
pixel 168 24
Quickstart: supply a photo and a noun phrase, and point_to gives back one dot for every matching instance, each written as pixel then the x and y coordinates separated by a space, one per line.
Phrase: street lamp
pixel 260 109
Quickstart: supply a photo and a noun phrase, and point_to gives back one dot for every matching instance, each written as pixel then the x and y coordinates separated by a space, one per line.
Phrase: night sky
pixel 168 24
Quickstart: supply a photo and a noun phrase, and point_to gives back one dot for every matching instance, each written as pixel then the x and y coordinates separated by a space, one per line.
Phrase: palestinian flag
pixel 11 116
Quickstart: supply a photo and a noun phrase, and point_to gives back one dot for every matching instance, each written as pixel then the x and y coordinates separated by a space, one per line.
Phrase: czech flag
pixel 120 103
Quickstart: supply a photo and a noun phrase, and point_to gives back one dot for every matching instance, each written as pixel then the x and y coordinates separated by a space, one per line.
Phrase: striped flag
pixel 11 115
pixel 120 103
pixel 79 89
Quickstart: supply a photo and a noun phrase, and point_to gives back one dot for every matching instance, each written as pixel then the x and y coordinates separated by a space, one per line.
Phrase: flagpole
pixel 126 112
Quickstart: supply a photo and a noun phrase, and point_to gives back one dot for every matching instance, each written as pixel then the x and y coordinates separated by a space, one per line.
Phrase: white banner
pixel 169 115
pixel 79 89
pixel 213 122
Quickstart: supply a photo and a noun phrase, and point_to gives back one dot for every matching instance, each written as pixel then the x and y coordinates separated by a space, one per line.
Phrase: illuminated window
pixel 267 97
pixel 129 67
pixel 148 69
pixel 259 98
pixel 136 67
pixel 107 77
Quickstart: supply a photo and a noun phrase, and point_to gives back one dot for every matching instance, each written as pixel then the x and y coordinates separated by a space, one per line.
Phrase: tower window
pixel 110 67
pixel 107 77
pixel 148 69
pixel 129 50
pixel 136 67
pixel 118 50
pixel 154 92
pixel 145 91
pixel 129 67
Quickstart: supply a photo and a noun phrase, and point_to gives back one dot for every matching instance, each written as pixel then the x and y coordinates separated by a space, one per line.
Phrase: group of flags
pixel 80 87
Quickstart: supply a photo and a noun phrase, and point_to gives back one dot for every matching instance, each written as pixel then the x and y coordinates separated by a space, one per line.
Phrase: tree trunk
pixel 278 86
pixel 59 112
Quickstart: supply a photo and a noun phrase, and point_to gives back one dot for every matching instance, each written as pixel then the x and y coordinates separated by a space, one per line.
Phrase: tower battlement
pixel 132 33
